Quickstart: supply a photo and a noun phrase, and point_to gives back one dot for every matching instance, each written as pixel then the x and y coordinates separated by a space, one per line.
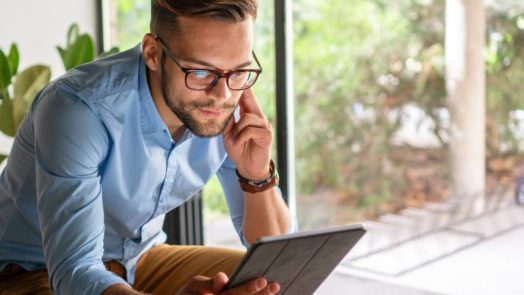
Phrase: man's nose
pixel 220 91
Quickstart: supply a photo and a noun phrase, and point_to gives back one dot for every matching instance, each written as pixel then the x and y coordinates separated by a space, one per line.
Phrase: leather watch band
pixel 251 186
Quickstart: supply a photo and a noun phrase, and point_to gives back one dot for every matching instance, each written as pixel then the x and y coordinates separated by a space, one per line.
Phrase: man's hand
pixel 248 142
pixel 213 286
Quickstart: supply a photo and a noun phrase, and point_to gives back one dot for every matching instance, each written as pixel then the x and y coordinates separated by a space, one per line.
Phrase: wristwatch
pixel 251 186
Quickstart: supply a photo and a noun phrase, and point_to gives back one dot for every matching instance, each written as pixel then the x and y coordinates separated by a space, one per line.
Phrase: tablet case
pixel 298 262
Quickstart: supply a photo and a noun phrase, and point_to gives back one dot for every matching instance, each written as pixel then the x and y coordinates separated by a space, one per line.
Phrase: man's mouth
pixel 211 113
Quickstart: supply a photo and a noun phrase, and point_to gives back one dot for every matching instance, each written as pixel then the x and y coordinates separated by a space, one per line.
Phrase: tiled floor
pixel 493 266
pixel 340 283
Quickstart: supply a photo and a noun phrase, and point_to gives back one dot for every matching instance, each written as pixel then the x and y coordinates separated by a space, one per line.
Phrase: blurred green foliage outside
pixel 359 66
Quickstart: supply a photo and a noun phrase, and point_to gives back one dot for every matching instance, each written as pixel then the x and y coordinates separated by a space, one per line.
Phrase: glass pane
pixel 371 116
pixel 367 75
pixel 128 22
pixel 218 227
pixel 372 136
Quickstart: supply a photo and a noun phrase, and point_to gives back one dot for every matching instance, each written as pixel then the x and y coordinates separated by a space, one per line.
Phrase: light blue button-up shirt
pixel 92 172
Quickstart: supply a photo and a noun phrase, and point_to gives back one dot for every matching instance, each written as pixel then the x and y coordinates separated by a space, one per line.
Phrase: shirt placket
pixel 172 171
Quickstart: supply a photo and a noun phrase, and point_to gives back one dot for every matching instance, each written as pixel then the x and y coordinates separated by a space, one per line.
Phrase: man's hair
pixel 165 14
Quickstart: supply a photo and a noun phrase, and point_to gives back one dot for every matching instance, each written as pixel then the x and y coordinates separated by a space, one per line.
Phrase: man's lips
pixel 211 113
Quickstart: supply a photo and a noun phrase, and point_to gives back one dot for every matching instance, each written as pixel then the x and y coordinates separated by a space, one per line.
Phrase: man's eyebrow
pixel 205 63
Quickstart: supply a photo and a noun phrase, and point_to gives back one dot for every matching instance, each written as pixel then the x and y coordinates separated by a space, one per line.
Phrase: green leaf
pixel 26 85
pixel 82 51
pixel 5 72
pixel 63 54
pixel 72 34
pixel 7 124
pixel 79 49
pixel 14 58
pixel 2 158
pixel 109 52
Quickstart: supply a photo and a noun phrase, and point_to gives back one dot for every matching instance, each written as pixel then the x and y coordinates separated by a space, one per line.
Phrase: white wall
pixel 37 27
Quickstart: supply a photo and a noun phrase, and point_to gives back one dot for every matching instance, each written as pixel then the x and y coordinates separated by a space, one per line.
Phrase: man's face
pixel 205 44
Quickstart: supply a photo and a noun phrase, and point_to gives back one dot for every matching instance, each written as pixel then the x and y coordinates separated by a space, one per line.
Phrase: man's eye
pixel 238 75
pixel 201 74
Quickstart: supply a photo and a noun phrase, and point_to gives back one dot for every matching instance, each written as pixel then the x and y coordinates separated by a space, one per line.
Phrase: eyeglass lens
pixel 236 80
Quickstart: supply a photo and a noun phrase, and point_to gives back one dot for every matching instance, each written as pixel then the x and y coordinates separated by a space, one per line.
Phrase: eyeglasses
pixel 205 79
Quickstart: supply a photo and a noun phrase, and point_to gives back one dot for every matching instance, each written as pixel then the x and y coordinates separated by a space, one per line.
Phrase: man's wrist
pixel 257 186
pixel 243 174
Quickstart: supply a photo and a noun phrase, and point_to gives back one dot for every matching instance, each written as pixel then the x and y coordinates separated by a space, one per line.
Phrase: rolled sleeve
pixel 70 146
pixel 234 196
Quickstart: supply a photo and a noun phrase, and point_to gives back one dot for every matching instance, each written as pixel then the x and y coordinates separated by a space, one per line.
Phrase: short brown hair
pixel 165 14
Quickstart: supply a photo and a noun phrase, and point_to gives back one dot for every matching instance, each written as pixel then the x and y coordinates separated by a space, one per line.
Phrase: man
pixel 106 150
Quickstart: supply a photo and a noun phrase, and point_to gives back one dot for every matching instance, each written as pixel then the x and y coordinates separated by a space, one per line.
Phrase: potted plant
pixel 17 90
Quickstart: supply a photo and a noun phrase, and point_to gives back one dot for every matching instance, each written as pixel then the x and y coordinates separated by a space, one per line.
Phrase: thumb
pixel 199 285
pixel 219 281
pixel 229 127
pixel 228 133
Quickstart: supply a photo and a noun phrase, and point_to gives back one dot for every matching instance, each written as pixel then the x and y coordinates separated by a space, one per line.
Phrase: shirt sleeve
pixel 70 145
pixel 235 198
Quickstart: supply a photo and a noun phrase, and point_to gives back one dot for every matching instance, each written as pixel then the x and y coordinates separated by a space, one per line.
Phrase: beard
pixel 184 111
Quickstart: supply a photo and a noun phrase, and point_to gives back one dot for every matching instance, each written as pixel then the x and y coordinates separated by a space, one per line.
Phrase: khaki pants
pixel 162 270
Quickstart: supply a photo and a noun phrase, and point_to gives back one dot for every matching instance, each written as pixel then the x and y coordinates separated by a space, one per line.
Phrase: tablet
pixel 298 262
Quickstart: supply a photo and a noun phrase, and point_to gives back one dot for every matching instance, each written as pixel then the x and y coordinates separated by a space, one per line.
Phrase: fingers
pixel 229 127
pixel 271 289
pixel 204 285
pixel 219 281
pixel 258 286
pixel 251 115
pixel 261 137
pixel 274 288
pixel 232 121
pixel 251 120
pixel 249 104
pixel 209 286
pixel 199 285
pixel 249 127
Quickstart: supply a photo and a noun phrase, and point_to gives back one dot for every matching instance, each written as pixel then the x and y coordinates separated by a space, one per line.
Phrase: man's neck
pixel 174 125
pixel 176 133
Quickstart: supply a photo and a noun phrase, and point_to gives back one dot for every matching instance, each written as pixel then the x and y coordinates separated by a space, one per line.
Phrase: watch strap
pixel 250 186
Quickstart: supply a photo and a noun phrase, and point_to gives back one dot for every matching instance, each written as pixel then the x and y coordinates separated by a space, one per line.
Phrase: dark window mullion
pixel 284 99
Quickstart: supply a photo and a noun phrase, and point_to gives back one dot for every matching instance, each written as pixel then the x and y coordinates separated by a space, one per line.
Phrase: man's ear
pixel 151 50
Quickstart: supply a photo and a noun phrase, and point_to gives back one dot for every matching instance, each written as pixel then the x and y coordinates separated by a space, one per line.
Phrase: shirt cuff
pixel 102 283
pixel 93 282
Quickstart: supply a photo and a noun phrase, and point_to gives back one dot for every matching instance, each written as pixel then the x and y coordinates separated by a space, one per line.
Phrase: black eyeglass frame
pixel 218 75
